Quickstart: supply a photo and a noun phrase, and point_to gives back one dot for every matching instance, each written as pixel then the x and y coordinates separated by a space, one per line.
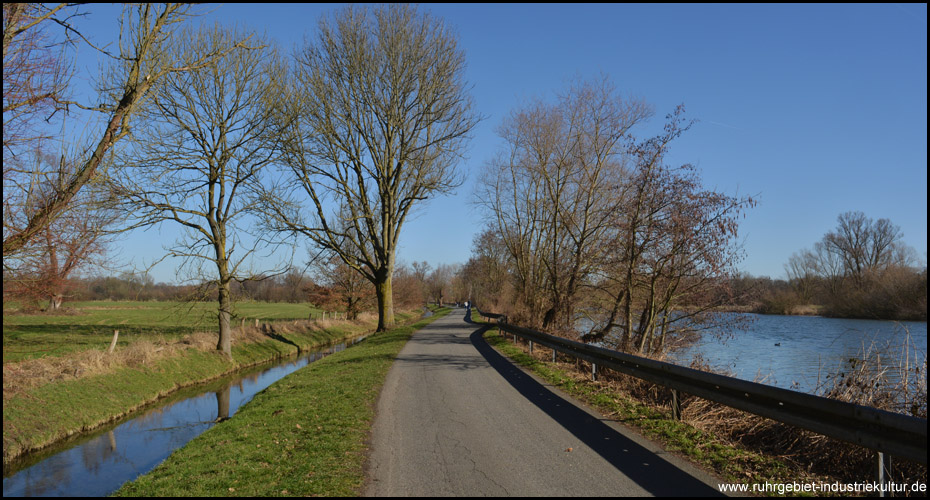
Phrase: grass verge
pixel 37 416
pixel 303 435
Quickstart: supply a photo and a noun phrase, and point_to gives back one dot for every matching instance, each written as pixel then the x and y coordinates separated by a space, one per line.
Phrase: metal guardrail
pixel 883 431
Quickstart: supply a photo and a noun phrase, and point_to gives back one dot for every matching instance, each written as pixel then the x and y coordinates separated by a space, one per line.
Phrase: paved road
pixel 457 419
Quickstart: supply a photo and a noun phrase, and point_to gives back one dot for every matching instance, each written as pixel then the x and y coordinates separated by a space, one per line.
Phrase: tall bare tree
pixel 197 161
pixel 864 246
pixel 580 205
pixel 375 123
pixel 143 60
pixel 549 195
pixel 673 247
pixel 861 268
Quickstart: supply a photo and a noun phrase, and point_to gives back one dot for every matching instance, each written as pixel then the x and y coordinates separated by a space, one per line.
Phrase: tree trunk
pixel 627 332
pixel 54 302
pixel 352 309
pixel 385 294
pixel 225 342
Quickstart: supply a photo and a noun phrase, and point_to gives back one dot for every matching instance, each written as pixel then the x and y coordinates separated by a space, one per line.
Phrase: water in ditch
pixel 98 463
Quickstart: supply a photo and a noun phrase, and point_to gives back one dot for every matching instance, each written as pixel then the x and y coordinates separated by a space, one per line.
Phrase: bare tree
pixel 863 245
pixel 672 247
pixel 861 268
pixel 440 282
pixel 801 270
pixel 349 288
pixel 580 205
pixel 549 194
pixel 197 161
pixel 374 124
pixel 143 60
pixel 45 268
pixel 486 275
pixel 421 273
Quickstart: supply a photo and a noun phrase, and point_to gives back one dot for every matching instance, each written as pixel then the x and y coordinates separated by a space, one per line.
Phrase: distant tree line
pixel 860 269
pixel 327 286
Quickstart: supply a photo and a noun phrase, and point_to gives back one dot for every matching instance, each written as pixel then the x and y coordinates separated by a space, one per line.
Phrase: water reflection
pixel 98 464
pixel 222 404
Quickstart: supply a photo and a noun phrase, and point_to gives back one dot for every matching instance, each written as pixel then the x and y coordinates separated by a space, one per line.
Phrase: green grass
pixel 303 435
pixel 732 463
pixel 90 325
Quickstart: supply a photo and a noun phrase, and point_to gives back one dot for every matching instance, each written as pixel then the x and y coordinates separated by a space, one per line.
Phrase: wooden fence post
pixel 113 342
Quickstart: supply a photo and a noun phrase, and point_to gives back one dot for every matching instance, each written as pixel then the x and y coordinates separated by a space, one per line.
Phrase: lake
pixel 798 351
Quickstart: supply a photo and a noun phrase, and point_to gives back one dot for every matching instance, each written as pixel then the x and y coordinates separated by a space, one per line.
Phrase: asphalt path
pixel 455 418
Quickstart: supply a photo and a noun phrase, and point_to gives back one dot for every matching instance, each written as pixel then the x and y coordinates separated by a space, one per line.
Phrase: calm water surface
pixel 800 350
pixel 99 463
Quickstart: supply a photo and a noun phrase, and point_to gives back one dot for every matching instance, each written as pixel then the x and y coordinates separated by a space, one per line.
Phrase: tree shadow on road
pixel 650 471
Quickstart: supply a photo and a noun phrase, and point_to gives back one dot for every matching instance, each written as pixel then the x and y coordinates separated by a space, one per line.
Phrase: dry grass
pixel 806 310
pixel 868 381
pixel 31 373
pixel 35 372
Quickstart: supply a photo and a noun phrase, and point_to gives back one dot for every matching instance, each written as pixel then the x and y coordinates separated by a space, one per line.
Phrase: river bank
pixel 37 415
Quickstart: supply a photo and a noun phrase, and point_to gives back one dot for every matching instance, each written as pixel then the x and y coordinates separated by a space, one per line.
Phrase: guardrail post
pixel 676 405
pixel 883 473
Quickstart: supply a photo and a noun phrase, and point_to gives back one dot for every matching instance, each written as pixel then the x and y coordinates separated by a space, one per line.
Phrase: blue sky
pixel 813 109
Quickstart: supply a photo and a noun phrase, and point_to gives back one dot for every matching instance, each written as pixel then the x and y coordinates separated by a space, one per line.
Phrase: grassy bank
pixel 303 435
pixel 46 400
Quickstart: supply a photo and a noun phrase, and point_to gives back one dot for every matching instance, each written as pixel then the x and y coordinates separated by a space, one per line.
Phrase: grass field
pixel 89 325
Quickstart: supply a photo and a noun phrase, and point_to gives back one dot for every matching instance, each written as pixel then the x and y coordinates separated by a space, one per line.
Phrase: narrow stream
pixel 98 463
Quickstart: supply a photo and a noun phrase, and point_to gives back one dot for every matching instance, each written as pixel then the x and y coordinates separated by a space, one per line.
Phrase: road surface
pixel 455 418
